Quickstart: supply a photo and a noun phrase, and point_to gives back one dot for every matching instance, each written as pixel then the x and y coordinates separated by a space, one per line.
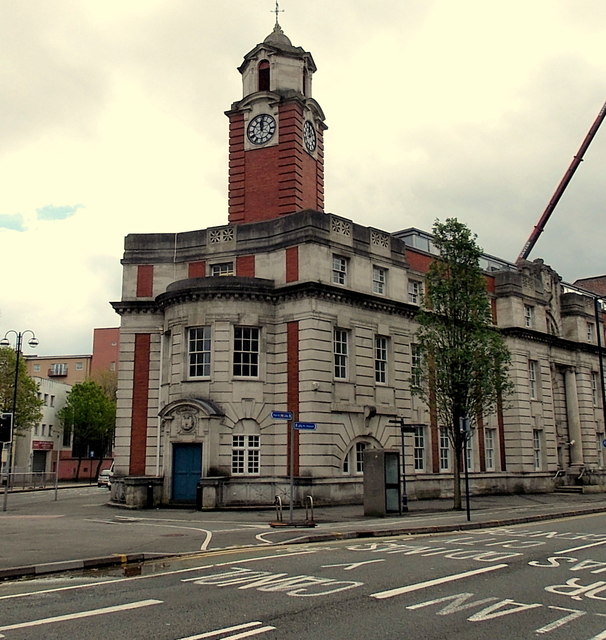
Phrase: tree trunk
pixel 458 505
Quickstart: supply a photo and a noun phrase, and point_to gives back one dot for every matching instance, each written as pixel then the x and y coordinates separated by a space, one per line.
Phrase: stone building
pixel 290 309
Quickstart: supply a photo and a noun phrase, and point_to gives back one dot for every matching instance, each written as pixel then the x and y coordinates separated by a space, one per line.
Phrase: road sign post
pixel 287 415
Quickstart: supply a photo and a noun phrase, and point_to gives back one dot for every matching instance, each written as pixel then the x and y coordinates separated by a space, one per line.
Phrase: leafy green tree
pixel 462 364
pixel 28 403
pixel 90 415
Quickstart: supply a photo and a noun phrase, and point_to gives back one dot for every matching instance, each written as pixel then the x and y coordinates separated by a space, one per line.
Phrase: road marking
pixel 585 546
pixel 351 565
pixel 246 634
pixel 132 521
pixel 390 593
pixel 573 614
pixel 160 574
pixel 81 614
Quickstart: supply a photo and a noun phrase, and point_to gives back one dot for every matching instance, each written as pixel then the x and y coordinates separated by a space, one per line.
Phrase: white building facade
pixel 288 308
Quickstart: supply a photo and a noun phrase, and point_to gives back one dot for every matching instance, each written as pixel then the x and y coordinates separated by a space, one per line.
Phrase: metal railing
pixel 28 481
pixel 278 505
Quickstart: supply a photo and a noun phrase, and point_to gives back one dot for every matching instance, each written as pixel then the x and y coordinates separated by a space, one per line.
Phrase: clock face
pixel 261 129
pixel 309 135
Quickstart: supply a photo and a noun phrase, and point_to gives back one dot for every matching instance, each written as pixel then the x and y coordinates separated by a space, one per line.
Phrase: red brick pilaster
pixel 237 169
pixel 138 433
pixel 501 429
pixel 196 269
pixel 292 264
pixel 145 280
pixel 245 266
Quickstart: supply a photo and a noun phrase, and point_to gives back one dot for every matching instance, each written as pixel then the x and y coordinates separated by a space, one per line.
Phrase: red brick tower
pixel 276 151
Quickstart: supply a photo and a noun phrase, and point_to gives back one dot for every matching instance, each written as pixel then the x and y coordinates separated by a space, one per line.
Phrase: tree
pixel 90 415
pixel 28 403
pixel 462 361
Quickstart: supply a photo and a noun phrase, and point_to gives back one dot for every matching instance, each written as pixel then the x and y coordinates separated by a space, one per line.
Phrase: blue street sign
pixel 604 442
pixel 281 415
pixel 305 426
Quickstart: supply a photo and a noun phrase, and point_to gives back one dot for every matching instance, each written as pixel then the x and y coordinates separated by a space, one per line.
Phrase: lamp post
pixel 5 342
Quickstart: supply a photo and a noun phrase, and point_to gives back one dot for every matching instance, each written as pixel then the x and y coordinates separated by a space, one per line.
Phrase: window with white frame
pixel 246 352
pixel 490 440
pixel 537 438
pixel 198 347
pixel 381 343
pixel 379 280
pixel 340 353
pixel 532 379
pixel 528 315
pixel 601 450
pixel 246 455
pixel 590 331
pixel 353 462
pixel 415 290
pixel 594 388
pixel 419 447
pixel 339 270
pixel 415 362
pixel 79 366
pixel 222 269
pixel 469 452
pixel 444 450
pixel 360 448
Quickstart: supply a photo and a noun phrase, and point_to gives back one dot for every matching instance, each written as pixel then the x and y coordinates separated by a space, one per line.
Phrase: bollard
pixel 150 496
pixel 199 490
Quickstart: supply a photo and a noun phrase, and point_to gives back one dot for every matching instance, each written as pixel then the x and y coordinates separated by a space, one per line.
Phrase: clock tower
pixel 276 150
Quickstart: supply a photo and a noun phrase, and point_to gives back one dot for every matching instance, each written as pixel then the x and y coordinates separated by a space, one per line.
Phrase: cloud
pixel 435 109
pixel 15 222
pixel 50 212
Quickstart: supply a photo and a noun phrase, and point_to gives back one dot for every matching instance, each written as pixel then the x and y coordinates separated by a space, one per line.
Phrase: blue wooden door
pixel 187 470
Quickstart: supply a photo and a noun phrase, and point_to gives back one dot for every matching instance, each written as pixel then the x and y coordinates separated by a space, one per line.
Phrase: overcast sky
pixel 112 122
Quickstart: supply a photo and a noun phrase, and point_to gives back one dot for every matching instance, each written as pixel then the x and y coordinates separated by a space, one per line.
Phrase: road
pixel 544 580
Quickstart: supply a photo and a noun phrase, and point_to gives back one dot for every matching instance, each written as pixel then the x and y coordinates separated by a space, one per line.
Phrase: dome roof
pixel 277 38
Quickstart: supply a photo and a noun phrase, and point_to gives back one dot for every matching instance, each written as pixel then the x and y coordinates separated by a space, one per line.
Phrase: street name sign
pixel 305 426
pixel 281 415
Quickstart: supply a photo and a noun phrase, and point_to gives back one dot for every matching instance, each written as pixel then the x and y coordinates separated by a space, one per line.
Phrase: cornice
pixel 551 340
pixel 236 288
pixel 135 306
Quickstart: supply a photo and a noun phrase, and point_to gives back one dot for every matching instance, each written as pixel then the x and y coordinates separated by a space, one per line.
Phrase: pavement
pixel 75 528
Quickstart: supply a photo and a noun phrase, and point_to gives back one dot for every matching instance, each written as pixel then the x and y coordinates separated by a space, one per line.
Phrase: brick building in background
pixel 288 308
pixel 39 449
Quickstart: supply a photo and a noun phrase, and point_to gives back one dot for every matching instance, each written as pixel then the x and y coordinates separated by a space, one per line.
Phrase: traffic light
pixel 6 427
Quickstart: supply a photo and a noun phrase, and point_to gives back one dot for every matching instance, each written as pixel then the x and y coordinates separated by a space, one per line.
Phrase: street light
pixel 5 342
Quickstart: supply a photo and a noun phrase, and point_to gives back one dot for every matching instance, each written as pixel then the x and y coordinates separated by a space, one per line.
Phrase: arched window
pixel 353 461
pixel 263 75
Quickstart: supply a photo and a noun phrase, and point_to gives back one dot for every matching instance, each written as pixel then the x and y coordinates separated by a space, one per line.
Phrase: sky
pixel 112 122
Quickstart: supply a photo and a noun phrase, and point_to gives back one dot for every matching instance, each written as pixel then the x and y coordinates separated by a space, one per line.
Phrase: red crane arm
pixel 576 161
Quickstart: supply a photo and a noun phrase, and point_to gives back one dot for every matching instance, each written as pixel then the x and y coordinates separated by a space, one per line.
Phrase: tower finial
pixel 277 10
